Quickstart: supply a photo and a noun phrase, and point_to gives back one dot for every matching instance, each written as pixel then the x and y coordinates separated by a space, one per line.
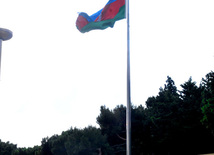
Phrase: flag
pixel 114 10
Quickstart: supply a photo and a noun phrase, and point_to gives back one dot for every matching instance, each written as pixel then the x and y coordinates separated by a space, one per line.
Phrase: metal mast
pixel 128 109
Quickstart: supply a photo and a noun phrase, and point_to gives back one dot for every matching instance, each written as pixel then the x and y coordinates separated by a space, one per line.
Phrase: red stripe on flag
pixel 110 10
pixel 81 22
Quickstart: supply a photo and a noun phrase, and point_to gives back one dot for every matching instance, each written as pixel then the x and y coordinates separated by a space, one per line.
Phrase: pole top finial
pixel 5 34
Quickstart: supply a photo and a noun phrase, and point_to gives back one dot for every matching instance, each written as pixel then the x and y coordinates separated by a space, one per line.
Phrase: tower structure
pixel 5 34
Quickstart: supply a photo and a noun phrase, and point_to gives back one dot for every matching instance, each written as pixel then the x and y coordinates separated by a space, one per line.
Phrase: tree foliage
pixel 208 101
pixel 173 122
pixel 76 142
pixel 169 124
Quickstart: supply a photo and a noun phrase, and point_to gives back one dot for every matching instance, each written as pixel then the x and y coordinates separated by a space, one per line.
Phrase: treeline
pixel 174 122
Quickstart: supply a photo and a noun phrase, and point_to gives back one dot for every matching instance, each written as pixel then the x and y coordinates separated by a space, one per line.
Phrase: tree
pixel 163 115
pixel 87 141
pixel 173 122
pixel 36 150
pixel 190 114
pixel 7 148
pixel 46 148
pixel 113 124
pixel 208 101
pixel 76 142
pixel 141 134
pixel 190 106
pixel 170 86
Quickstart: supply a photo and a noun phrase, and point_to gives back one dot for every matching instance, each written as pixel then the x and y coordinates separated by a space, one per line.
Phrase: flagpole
pixel 128 109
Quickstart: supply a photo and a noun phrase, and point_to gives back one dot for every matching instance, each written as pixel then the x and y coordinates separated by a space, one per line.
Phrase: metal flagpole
pixel 128 109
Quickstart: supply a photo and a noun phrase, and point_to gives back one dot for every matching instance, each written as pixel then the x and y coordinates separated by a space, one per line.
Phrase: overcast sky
pixel 54 77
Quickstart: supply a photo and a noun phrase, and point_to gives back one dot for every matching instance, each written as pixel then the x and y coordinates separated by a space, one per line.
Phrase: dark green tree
pixel 163 115
pixel 191 131
pixel 190 106
pixel 46 147
pixel 36 150
pixel 173 122
pixel 113 124
pixel 208 101
pixel 7 148
pixel 57 144
pixel 141 134
pixel 87 141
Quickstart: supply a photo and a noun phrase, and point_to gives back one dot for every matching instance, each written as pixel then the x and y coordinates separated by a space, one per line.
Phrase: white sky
pixel 54 77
